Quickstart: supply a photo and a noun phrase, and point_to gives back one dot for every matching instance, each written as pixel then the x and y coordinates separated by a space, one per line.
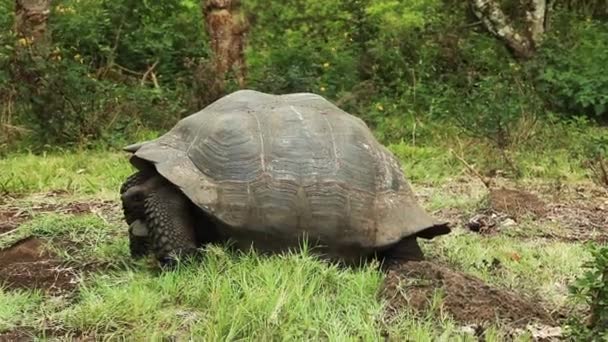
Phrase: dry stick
pixel 104 70
pixel 486 181
pixel 154 80
pixel 9 232
pixel 129 71
pixel 604 171
pixel 150 69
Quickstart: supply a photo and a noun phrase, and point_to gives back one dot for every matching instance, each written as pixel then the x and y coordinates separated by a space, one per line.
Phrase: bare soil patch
pixel 28 265
pixel 516 203
pixel 583 211
pixel 577 212
pixel 16 335
pixel 466 298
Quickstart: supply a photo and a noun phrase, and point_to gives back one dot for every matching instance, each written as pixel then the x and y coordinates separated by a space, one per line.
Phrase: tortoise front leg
pixel 132 196
pixel 171 223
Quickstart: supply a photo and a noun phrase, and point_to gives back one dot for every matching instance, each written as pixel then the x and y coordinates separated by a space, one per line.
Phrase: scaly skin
pixel 171 223
pixel 133 209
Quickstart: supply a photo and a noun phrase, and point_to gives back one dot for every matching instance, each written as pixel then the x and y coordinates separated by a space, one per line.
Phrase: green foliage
pixel 301 46
pixel 397 17
pixel 574 78
pixel 90 88
pixel 416 71
pixel 501 109
pixel 66 105
pixel 592 288
pixel 132 34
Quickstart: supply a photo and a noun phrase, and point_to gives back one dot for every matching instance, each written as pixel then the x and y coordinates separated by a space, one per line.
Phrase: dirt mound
pixel 27 264
pixel 516 203
pixel 467 299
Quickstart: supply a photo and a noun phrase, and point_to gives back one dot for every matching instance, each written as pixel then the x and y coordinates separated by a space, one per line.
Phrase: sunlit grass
pixel 81 173
pixel 18 308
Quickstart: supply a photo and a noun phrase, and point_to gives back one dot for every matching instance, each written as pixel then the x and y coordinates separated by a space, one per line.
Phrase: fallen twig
pixel 485 180
pixel 148 72
pixel 9 232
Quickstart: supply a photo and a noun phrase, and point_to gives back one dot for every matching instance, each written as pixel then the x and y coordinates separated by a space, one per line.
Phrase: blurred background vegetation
pixel 424 74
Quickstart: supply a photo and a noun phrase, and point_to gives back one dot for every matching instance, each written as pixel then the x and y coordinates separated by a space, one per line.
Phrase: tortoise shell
pixel 280 166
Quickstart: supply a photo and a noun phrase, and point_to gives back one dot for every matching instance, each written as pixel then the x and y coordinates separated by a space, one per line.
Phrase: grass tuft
pixel 81 173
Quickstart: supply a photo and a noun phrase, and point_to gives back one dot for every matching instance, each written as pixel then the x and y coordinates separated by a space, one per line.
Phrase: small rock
pixel 509 222
pixel 471 329
pixel 544 332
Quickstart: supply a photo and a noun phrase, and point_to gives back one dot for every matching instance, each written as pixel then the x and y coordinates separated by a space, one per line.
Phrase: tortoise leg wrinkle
pixel 133 209
pixel 171 224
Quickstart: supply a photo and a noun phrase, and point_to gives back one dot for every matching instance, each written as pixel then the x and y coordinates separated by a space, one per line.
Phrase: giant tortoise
pixel 268 172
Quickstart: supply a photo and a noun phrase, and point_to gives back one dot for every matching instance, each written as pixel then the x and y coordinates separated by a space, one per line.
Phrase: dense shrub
pixel 90 88
pixel 573 73
pixel 412 70
pixel 592 289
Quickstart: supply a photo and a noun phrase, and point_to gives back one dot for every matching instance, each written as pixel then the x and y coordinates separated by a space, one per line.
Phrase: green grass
pixel 231 296
pixel 18 308
pixel 437 164
pixel 91 172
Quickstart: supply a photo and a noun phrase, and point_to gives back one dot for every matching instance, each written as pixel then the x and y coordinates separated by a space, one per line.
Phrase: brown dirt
pixel 466 298
pixel 571 212
pixel 516 203
pixel 16 335
pixel 27 264
pixel 12 216
pixel 506 207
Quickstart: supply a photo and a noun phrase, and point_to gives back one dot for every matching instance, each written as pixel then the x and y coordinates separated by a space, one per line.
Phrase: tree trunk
pixel 522 44
pixel 31 18
pixel 227 27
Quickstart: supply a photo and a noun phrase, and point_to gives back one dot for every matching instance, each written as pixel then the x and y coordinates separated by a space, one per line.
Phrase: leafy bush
pixel 574 78
pixel 112 71
pixel 592 288
pixel 501 109
pixel 410 69
pixel 300 46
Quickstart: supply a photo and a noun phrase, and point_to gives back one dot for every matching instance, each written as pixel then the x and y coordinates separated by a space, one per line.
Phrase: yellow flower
pixel 322 88
pixel 379 107
pixel 326 65
pixel 22 41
